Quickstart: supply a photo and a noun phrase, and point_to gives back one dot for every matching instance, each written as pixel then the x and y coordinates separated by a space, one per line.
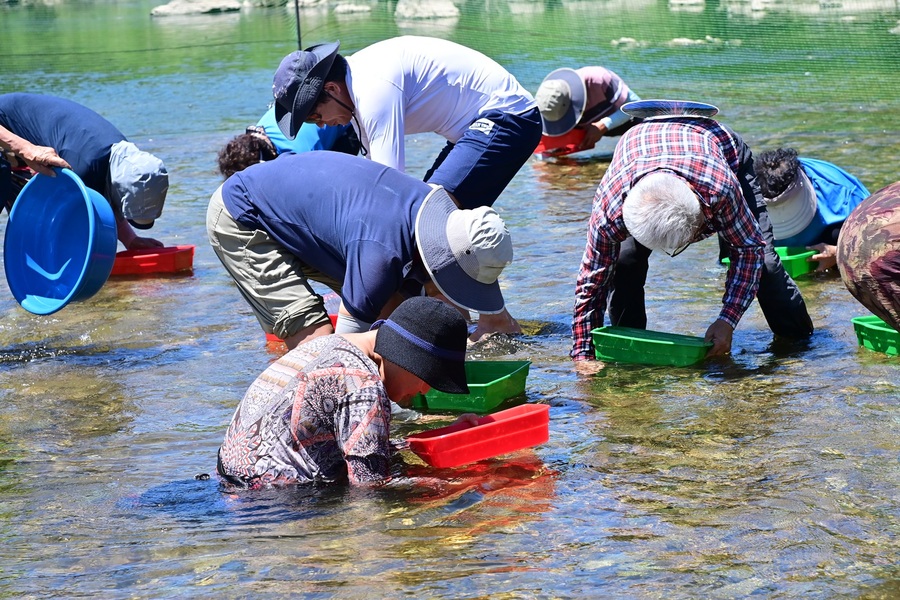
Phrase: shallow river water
pixel 773 473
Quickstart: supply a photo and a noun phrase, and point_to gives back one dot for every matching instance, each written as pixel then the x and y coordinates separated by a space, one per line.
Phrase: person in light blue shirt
pixel 265 141
pixel 807 200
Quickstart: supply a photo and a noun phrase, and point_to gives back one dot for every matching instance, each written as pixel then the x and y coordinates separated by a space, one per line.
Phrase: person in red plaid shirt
pixel 674 181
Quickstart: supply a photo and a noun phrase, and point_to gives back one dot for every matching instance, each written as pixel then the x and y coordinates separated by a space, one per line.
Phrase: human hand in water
pixel 592 134
pixel 589 367
pixel 502 322
pixel 470 419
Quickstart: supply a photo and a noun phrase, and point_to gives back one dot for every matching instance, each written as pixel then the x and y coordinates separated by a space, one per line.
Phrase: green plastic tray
pixel 490 383
pixel 875 334
pixel 640 346
pixel 793 259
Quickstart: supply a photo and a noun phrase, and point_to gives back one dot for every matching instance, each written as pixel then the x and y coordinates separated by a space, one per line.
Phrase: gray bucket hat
pixel 298 83
pixel 139 181
pixel 561 98
pixel 464 251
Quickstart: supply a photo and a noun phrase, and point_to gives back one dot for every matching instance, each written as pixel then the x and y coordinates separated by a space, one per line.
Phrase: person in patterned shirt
pixel 674 181
pixel 322 413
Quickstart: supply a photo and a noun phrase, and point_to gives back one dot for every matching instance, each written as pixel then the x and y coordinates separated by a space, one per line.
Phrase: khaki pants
pixel 274 282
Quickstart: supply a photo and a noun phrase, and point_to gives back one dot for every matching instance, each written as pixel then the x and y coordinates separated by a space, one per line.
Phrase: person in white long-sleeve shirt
pixel 409 85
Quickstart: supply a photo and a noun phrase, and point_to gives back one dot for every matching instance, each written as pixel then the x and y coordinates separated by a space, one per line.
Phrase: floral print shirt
pixel 319 413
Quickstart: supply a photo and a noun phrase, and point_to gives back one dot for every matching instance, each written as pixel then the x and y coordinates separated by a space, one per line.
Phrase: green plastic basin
pixel 793 259
pixel 873 333
pixel 640 346
pixel 490 383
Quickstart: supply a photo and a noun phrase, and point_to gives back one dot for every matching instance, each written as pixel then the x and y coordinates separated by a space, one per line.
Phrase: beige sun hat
pixel 561 98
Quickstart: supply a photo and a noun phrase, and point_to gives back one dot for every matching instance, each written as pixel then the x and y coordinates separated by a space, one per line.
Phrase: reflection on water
pixel 772 472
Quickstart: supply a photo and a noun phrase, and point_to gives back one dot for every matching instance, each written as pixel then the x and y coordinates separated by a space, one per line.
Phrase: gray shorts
pixel 274 282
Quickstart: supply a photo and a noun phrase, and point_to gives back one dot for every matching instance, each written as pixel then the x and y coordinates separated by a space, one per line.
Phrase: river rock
pixel 425 9
pixel 196 7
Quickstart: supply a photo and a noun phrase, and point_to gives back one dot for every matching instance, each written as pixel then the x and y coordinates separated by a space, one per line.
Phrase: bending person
pixel 407 85
pixel 322 412
pixel 674 181
pixel 868 254
pixel 134 182
pixel 590 99
pixel 370 233
pixel 807 200
pixel 265 141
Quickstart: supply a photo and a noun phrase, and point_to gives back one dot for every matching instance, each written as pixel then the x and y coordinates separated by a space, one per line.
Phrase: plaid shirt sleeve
pixel 747 255
pixel 597 269
pixel 737 225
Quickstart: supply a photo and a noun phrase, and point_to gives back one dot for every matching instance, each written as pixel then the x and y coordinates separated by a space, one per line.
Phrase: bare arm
pixel 40 158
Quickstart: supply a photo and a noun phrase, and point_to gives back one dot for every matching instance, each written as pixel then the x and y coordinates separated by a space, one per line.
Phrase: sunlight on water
pixel 773 473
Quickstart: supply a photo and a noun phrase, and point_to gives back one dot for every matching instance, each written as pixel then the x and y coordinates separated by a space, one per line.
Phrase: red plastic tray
pixel 271 337
pixel 498 433
pixel 560 145
pixel 171 259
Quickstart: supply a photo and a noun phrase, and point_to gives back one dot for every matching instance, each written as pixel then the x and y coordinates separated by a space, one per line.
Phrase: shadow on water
pixel 416 496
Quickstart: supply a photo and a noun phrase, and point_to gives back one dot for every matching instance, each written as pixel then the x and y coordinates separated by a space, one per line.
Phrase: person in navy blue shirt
pixel 133 181
pixel 265 141
pixel 372 234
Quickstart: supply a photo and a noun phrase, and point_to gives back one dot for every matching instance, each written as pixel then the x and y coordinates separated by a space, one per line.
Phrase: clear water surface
pixel 772 474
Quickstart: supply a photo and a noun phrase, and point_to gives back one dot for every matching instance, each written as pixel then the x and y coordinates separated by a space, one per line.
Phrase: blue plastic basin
pixel 60 243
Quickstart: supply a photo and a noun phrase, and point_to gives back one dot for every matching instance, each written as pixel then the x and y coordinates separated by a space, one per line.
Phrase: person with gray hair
pixel 663 211
pixel 675 180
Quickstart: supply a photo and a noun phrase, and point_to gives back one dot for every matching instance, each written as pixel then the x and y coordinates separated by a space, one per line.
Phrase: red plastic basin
pixel 560 145
pixel 498 433
pixel 148 261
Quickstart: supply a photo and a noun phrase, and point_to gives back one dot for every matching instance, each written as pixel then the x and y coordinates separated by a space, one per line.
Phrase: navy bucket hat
pixel 297 84
pixel 428 338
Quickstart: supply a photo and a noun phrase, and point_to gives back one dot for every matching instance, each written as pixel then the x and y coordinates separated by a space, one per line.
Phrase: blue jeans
pixel 477 168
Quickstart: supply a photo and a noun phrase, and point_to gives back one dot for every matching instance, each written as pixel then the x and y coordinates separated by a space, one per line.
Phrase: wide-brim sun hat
pixel 464 251
pixel 140 180
pixel 794 209
pixel 428 338
pixel 298 82
pixel 561 98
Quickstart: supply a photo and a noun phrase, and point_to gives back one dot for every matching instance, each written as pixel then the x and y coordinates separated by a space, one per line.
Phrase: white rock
pixel 425 9
pixel 196 7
